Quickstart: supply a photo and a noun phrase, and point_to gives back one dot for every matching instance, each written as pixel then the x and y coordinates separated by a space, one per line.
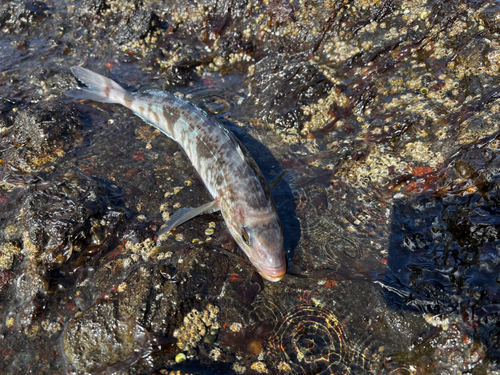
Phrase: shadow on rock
pixel 443 262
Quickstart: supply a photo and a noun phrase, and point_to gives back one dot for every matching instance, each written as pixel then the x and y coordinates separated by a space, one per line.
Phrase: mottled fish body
pixel 230 174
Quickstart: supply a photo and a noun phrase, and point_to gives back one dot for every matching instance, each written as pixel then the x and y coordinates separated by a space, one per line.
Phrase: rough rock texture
pixel 103 339
pixel 64 216
pixel 282 89
pixel 19 16
pixel 38 137
pixel 139 317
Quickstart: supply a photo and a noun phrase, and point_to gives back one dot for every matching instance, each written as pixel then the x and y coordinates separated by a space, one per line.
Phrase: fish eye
pixel 245 236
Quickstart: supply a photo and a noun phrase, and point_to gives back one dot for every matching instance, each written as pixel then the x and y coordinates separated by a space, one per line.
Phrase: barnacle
pixel 145 249
pixel 8 251
pixel 181 357
pixel 195 326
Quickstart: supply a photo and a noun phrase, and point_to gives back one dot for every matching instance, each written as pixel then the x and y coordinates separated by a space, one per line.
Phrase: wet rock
pixel 134 27
pixel 472 55
pixel 144 302
pixel 250 339
pixel 218 265
pixel 30 310
pixel 18 16
pixel 182 70
pixel 194 281
pixel 232 44
pixel 10 175
pixel 104 339
pixel 69 215
pixel 3 123
pixel 30 291
pixel 477 127
pixel 398 83
pixel 59 82
pixel 280 86
pixel 490 18
pixel 250 288
pixel 470 164
pixel 40 137
pixel 63 216
pixel 458 240
pixel 281 12
pixel 5 278
pixel 93 6
pixel 6 114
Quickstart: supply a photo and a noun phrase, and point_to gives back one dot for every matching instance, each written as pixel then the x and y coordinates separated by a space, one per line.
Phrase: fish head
pixel 260 235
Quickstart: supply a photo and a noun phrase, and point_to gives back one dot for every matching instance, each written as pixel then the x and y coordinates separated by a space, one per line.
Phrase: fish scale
pixel 228 171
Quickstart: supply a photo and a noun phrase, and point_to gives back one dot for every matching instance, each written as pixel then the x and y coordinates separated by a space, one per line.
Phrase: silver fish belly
pixel 230 174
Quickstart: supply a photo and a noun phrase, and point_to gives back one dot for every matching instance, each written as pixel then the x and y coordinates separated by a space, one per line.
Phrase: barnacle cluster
pixel 375 168
pixel 7 253
pixel 422 153
pixel 260 367
pixel 195 327
pixel 144 250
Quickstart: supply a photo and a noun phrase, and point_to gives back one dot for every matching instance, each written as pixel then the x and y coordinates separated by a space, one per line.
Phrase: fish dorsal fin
pixel 160 93
pixel 245 154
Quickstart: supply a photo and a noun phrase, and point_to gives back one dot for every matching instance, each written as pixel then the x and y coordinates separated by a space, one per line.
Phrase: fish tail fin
pixel 99 88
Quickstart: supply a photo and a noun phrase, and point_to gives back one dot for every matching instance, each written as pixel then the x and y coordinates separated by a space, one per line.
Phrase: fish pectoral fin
pixel 186 214
pixel 277 180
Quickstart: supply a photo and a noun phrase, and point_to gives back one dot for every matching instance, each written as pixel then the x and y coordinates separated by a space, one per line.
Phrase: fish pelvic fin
pixel 186 214
pixel 277 180
pixel 99 88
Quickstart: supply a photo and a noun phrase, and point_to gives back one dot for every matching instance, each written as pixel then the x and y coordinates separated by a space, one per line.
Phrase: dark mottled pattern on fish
pixel 211 148
pixel 226 168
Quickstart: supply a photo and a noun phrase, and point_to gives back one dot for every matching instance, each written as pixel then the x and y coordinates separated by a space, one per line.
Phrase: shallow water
pixel 385 118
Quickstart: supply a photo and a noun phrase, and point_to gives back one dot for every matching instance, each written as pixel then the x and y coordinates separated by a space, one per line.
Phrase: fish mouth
pixel 271 273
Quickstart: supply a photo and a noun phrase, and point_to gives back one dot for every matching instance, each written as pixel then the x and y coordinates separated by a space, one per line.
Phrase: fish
pixel 238 188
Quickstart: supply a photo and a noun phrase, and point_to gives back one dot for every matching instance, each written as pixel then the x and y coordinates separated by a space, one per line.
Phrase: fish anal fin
pixel 157 126
pixel 186 214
